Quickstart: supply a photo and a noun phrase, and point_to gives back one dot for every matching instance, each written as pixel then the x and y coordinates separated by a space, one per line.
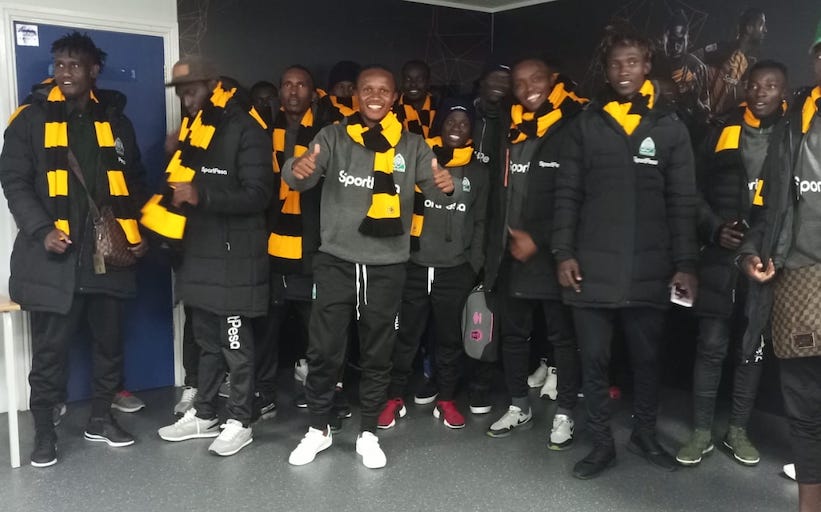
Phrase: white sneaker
pixel 367 445
pixel 789 470
pixel 314 442
pixel 233 438
pixel 189 393
pixel 538 377
pixel 512 420
pixel 550 384
pixel 301 370
pixel 190 427
pixel 561 435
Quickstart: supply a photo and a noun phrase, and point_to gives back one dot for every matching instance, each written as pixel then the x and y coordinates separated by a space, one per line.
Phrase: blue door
pixel 134 66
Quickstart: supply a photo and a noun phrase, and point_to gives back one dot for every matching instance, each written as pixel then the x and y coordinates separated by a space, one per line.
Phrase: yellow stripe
pixel 105 138
pixel 57 183
pixel 62 225
pixel 384 206
pixel 221 96
pixel 758 199
pixel 383 161
pixel 132 231
pixel 416 224
pixel 809 109
pixel 729 138
pixel 56 135
pixel 116 183
pixel 253 112
pixel 17 113
pixel 201 135
pixel 281 246
pixel 178 172
pixel 291 204
pixel 158 219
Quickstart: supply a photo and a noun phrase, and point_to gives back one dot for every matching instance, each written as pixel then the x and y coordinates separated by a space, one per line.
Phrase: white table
pixel 9 309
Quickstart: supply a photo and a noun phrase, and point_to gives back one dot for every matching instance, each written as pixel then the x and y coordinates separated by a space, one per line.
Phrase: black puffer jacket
pixel 44 281
pixel 224 266
pixel 626 207
pixel 535 278
pixel 724 196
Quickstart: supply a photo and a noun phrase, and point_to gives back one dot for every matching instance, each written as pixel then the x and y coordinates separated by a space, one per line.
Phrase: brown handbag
pixel 796 317
pixel 110 242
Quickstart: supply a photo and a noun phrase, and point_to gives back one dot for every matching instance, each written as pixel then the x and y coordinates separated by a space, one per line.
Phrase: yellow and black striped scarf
pixel 811 107
pixel 285 239
pixel 450 157
pixel 416 121
pixel 56 156
pixel 628 114
pixel 383 217
pixel 159 215
pixel 337 108
pixel 560 103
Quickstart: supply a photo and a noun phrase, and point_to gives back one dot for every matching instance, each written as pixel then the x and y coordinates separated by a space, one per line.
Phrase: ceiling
pixel 483 5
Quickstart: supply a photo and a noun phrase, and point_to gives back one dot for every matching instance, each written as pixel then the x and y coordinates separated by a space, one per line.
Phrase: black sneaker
pixel 427 393
pixel 299 399
pixel 335 424
pixel 45 450
pixel 265 407
pixel 480 401
pixel 107 430
pixel 341 408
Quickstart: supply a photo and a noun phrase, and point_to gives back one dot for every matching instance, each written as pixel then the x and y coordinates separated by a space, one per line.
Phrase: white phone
pixel 687 302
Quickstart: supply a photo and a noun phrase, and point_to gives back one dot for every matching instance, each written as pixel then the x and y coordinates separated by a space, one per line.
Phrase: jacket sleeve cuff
pixel 41 233
pixel 561 255
pixel 687 267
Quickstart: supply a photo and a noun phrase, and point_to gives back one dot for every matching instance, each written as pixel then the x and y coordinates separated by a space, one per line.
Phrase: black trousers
pixel 643 329
pixel 515 331
pixel 437 294
pixel 714 339
pixel 801 389
pixel 371 294
pixel 190 351
pixel 51 334
pixel 225 342
pixel 268 331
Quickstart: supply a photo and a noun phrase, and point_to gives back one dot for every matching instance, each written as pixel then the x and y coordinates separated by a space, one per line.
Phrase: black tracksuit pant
pixel 51 334
pixel 438 294
pixel 643 329
pixel 225 341
pixel 371 294
pixel 190 351
pixel 516 329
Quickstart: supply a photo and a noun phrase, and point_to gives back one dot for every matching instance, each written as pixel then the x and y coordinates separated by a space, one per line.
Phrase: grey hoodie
pixel 348 188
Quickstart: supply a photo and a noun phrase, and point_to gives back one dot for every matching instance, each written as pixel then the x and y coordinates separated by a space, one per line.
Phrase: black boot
pixel 45 449
pixel 600 458
pixel 644 444
pixel 105 429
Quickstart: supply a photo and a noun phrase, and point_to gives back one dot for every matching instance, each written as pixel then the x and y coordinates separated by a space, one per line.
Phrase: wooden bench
pixel 9 309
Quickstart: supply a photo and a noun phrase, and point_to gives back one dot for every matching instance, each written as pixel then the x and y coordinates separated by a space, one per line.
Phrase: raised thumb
pixel 316 150
pixel 435 164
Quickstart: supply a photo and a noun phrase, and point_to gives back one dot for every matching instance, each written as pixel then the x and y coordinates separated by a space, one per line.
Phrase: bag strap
pixel 74 165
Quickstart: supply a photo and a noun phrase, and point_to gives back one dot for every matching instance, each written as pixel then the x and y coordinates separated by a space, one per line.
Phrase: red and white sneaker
pixel 446 409
pixel 387 418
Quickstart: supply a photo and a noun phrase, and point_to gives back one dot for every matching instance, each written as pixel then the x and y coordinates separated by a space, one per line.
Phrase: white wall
pixel 154 17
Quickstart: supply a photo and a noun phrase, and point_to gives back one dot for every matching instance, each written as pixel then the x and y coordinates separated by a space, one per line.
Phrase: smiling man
pixel 219 185
pixel 520 267
pixel 71 129
pixel 729 184
pixel 624 234
pixel 370 167
pixel 415 108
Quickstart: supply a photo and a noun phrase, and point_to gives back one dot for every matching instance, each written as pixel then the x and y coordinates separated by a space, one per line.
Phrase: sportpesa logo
pixel 520 168
pixel 357 181
pixel 804 186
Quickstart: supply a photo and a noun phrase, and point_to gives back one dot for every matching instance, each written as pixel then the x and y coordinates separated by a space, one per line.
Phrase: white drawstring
pixel 361 287
pixel 430 278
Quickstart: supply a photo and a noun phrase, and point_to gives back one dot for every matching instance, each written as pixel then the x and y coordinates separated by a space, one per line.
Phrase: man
pixel 728 181
pixel 519 263
pixel 71 129
pixel 442 270
pixel 728 62
pixel 371 167
pixel 489 136
pixel 264 100
pixel 219 185
pixel 415 108
pixel 342 79
pixel 624 234
pixel 783 247
pixel 294 234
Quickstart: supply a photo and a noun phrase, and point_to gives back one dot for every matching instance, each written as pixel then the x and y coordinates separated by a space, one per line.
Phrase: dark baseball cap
pixel 194 68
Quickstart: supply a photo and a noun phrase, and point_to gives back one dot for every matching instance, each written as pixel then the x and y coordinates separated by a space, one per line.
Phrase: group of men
pixel 384 209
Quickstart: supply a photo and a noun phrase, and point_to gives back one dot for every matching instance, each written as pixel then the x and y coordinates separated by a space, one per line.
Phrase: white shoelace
pixel 230 429
pixel 188 394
